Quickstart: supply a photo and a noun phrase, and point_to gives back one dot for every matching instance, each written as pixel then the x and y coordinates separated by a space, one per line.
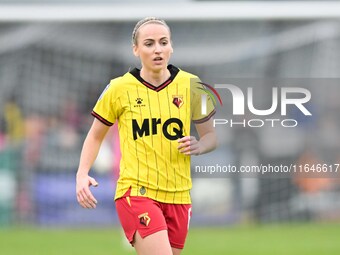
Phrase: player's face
pixel 153 47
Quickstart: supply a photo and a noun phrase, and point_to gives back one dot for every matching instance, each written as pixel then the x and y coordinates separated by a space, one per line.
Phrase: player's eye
pixel 164 43
pixel 148 44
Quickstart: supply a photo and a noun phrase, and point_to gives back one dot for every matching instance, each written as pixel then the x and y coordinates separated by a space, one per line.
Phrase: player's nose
pixel 158 48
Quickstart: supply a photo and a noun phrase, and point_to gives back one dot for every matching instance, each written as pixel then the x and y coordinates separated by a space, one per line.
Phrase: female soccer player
pixel 154 107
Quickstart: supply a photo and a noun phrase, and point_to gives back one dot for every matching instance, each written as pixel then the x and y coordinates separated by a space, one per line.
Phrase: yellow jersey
pixel 150 121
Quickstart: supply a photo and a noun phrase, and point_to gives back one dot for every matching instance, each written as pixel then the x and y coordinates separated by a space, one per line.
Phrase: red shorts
pixel 148 216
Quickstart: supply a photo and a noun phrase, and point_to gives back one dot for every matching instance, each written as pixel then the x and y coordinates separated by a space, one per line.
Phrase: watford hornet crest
pixel 144 219
pixel 178 101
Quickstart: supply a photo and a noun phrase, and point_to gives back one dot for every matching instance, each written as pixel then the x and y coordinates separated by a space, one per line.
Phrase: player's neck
pixel 155 78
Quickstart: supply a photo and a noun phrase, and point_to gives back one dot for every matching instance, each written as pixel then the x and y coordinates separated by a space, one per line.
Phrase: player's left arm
pixel 207 142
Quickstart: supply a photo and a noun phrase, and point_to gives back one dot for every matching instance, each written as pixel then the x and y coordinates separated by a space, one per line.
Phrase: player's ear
pixel 135 50
pixel 172 49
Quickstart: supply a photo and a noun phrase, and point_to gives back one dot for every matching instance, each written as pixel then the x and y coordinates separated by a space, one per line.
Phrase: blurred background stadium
pixel 57 56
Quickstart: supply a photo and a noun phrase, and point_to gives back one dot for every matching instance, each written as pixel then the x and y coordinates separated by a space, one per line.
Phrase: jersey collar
pixel 173 72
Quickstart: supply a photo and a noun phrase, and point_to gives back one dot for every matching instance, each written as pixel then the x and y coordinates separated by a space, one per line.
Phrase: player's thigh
pixel 154 244
pixel 176 251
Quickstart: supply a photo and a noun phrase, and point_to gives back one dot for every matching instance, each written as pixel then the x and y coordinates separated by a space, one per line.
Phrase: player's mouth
pixel 158 60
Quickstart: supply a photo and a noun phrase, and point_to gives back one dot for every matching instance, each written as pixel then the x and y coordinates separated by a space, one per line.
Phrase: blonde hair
pixel 142 22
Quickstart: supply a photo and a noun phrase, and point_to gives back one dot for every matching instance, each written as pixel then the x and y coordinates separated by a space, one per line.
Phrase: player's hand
pixel 84 195
pixel 188 145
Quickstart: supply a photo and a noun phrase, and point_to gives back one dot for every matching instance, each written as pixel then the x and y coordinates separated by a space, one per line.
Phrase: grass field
pixel 309 239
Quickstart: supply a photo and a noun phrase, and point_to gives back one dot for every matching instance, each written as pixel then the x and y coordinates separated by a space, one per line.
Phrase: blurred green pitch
pixel 299 239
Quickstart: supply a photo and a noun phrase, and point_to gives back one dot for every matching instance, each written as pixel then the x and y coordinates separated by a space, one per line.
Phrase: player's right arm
pixel 88 155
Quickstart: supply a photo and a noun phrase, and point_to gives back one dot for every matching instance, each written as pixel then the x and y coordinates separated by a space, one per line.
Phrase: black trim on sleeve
pixel 101 119
pixel 205 118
